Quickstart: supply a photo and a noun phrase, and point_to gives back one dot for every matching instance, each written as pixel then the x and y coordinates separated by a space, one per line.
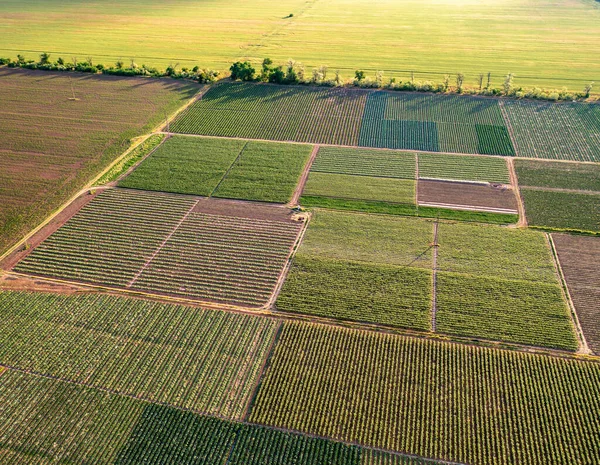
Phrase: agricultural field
pixel 441 166
pixel 558 175
pixel 354 267
pixel 579 258
pixel 566 131
pixel 394 36
pixel 448 401
pixel 68 423
pixel 206 361
pixel 60 131
pixel 301 114
pixel 166 244
pixel 262 171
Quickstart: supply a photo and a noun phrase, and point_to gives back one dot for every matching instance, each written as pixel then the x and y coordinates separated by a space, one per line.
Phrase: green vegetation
pixel 436 399
pixel 562 210
pixel 365 162
pixel 367 206
pixel 267 172
pixel 262 111
pixel 409 36
pixel 507 310
pixel 164 353
pixel 558 175
pixel 463 168
pixel 185 165
pixel 223 168
pixel 342 186
pixel 53 145
pixel 466 215
pixel 481 250
pixel 566 131
pixel 131 159
pixel 157 243
pixel 366 292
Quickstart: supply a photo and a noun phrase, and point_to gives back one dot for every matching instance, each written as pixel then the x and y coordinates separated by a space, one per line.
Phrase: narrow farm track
pixel 233 163
pixel 514 180
pixel 559 189
pixel 294 201
pixel 509 127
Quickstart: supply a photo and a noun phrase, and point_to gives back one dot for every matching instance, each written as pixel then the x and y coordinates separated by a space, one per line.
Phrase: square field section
pixel 169 244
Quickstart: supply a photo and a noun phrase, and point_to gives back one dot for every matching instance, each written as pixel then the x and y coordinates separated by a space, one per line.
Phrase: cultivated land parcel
pixel 545 43
pixel 343 291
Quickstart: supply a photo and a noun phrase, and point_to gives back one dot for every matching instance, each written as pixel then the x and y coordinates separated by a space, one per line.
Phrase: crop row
pixel 463 168
pixel 431 398
pixel 203 360
pixel 563 132
pixel 46 421
pixel 271 112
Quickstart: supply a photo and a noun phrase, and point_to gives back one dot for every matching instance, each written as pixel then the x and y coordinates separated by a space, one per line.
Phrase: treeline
pixel 294 73
pixel 118 69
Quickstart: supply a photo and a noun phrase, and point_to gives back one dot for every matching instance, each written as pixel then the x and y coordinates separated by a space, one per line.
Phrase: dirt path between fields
pixel 560 189
pixel 515 183
pixel 295 200
pixel 509 127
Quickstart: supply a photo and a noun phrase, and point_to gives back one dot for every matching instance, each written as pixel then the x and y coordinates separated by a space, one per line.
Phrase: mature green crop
pixel 558 175
pixel 435 399
pixel 206 361
pixel 463 168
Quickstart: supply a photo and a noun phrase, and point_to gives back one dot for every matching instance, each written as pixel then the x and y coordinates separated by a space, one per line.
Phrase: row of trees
pixel 295 73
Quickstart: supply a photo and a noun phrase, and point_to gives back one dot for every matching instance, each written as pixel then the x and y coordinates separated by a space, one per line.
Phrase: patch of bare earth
pixel 579 258
pixel 473 196
pixel 244 209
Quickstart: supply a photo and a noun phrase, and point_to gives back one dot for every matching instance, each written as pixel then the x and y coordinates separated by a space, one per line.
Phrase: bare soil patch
pixel 483 196
pixel 579 258
pixel 244 209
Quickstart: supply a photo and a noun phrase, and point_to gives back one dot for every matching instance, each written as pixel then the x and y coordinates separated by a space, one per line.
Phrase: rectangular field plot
pixel 579 259
pixel 434 123
pixel 301 114
pixel 206 361
pixel 374 269
pixel 564 131
pixel 467 196
pixel 166 244
pixel 446 401
pixel 230 168
pixel 463 168
pixel 507 310
pixel 562 210
pixel 365 162
pixel 558 175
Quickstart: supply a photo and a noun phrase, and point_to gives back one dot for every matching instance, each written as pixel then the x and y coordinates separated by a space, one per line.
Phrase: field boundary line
pixel 509 127
pixel 304 177
pixel 223 417
pixel 474 208
pixel 514 180
pixel 263 368
pixel 288 264
pixel 559 189
pixel 411 151
pixel 167 122
pixel 324 321
pixel 434 278
pixel 583 345
pixel 233 163
pixel 160 247
pixel 133 167
pixel 417 181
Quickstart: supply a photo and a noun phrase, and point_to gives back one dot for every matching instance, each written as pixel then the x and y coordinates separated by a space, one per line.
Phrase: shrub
pixel 242 71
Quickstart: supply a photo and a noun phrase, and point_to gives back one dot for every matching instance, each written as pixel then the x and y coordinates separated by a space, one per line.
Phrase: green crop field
pixel 52 145
pixel 228 168
pixel 68 423
pixel 158 243
pixel 524 37
pixel 463 168
pixel 447 401
pixel 207 361
pixel 562 210
pixel 558 175
pixel 566 131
